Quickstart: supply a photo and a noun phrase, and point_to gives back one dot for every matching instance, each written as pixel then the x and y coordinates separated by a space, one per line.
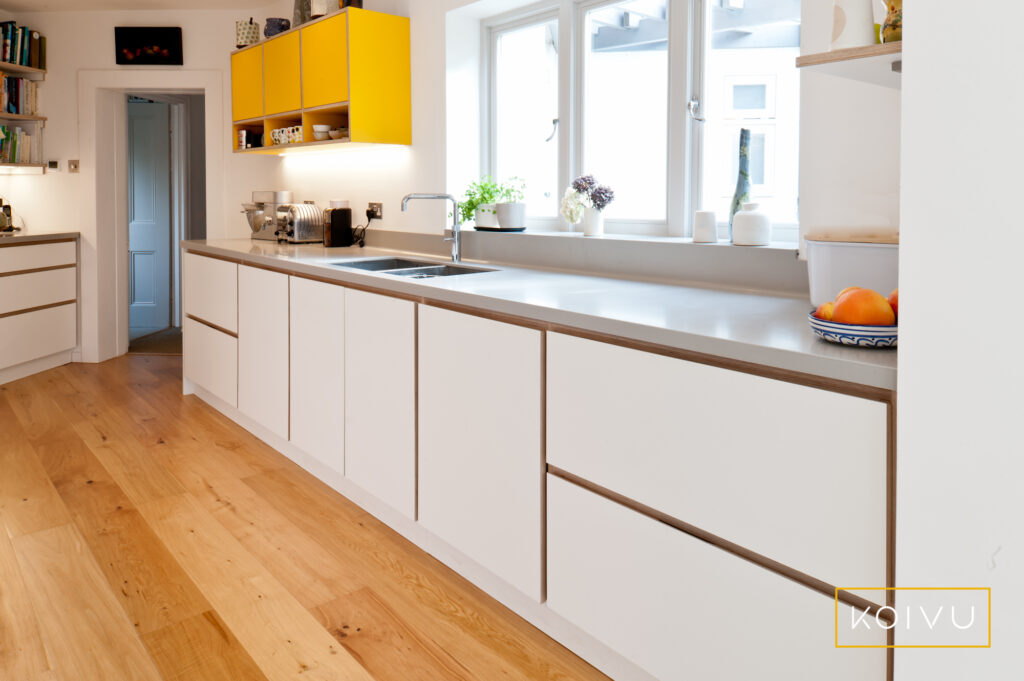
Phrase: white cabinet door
pixel 794 473
pixel 318 371
pixel 263 348
pixel 481 468
pixel 211 290
pixel 380 391
pixel 211 360
pixel 682 609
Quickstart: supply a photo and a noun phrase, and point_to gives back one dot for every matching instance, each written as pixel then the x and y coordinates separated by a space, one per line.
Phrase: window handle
pixel 554 130
pixel 693 106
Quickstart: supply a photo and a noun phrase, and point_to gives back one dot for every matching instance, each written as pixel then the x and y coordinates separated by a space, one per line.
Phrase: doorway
pixel 166 196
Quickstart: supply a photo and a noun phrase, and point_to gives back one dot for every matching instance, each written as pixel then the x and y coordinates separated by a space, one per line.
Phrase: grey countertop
pixel 765 329
pixel 23 238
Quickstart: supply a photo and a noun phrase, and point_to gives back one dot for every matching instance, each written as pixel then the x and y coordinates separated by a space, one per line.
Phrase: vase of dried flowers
pixel 584 201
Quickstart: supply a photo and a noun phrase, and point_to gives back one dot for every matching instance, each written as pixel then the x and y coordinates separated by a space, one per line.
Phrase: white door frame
pixel 102 131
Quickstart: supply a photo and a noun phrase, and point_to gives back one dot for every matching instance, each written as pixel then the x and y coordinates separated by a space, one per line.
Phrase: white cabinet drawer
pixel 211 290
pixel 682 609
pixel 25 291
pixel 790 472
pixel 211 360
pixel 24 337
pixel 481 467
pixel 35 256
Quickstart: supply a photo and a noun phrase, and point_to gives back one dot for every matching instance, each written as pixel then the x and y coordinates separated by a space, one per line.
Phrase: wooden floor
pixel 145 536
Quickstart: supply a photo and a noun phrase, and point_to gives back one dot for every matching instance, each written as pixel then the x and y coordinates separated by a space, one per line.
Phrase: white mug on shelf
pixel 705 227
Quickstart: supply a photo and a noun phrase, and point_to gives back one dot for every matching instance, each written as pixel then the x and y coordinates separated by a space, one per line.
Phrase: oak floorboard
pixel 281 636
pixel 22 653
pixel 86 631
pixel 390 648
pixel 201 648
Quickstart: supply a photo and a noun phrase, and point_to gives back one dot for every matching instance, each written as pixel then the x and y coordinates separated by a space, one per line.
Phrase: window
pixel 620 110
pixel 525 114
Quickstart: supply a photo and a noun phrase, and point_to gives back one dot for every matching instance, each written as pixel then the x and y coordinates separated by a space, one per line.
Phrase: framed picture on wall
pixel 148 45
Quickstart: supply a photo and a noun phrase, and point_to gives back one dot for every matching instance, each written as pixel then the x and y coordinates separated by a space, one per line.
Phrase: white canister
pixel 751 226
pixel 853 24
pixel 705 227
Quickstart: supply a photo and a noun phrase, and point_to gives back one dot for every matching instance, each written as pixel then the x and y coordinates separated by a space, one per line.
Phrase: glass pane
pixel 751 81
pixel 625 109
pixel 526 141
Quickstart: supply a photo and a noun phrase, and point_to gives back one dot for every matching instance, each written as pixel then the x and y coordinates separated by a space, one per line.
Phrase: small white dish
pixel 321 134
pixel 321 128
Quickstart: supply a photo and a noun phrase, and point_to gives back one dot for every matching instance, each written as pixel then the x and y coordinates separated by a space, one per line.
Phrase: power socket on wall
pixel 375 211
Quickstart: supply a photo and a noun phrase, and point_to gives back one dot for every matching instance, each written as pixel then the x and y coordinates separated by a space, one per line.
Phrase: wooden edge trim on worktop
pixel 787 375
pixel 763 561
pixel 62 240
pixel 37 308
pixel 38 269
pixel 212 326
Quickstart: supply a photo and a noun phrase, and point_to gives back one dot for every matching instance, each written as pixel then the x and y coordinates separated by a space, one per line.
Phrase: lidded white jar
pixel 751 226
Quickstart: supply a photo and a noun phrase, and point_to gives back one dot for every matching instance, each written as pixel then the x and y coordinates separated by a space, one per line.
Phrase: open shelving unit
pixel 39 122
pixel 878 64
pixel 335 115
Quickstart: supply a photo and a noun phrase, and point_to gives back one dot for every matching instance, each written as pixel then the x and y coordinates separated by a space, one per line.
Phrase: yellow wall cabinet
pixel 349 70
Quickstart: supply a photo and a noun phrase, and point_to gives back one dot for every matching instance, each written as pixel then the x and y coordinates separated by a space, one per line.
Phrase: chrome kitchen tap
pixel 456 237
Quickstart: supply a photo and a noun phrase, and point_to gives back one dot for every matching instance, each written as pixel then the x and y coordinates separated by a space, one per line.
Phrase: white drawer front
pixel 682 609
pixel 24 337
pixel 25 291
pixel 211 360
pixel 791 472
pixel 34 256
pixel 211 290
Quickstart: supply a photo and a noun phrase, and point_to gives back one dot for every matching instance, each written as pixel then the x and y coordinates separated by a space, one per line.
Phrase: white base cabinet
pixel 380 390
pixel 791 472
pixel 682 609
pixel 318 371
pixel 481 467
pixel 211 360
pixel 263 348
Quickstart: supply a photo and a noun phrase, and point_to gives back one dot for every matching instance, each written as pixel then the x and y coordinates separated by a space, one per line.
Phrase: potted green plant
pixel 511 209
pixel 478 203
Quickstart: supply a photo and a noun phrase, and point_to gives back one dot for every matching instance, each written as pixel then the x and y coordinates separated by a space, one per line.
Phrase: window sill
pixel 791 246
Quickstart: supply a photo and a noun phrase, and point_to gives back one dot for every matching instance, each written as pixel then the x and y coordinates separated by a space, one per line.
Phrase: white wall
pixel 961 462
pixel 849 141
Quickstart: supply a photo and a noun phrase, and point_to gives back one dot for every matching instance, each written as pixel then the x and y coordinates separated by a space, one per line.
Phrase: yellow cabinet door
pixel 247 84
pixel 325 62
pixel 282 84
pixel 381 102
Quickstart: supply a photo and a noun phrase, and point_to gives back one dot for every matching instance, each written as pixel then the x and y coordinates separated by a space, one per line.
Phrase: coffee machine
pixel 274 216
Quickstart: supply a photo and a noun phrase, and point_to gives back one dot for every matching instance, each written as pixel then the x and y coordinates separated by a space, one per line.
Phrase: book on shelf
pixel 18 96
pixel 17 146
pixel 21 45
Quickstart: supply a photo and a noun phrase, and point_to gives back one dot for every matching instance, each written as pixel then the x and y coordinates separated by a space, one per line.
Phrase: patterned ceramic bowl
pixel 851 334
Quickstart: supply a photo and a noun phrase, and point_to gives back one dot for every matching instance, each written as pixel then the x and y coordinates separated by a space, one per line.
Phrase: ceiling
pixel 89 5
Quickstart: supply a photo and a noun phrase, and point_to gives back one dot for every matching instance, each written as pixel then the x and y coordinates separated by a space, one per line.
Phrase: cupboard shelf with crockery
pixel 349 70
pixel 878 64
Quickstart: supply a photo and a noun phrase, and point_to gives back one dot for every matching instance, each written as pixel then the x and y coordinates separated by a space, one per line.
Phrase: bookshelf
pixel 32 124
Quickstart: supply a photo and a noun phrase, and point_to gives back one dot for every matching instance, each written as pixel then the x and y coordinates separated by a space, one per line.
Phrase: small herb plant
pixel 488 192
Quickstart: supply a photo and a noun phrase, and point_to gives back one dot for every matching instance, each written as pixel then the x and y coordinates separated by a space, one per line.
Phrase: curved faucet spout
pixel 456 237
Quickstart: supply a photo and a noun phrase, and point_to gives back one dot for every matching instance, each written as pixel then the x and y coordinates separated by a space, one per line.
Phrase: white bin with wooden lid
pixel 840 258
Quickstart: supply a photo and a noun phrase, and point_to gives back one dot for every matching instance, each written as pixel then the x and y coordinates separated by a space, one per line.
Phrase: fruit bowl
pixel 852 334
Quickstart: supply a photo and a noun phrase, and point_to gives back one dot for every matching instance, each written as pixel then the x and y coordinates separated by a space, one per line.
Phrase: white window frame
pixel 684 180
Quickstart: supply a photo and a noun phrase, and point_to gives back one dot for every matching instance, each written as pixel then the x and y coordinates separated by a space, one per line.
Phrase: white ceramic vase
pixel 486 215
pixel 593 222
pixel 751 226
pixel 853 24
pixel 512 215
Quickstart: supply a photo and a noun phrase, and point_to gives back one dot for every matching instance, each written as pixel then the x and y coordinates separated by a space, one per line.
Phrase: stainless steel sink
pixel 436 271
pixel 411 269
pixel 380 264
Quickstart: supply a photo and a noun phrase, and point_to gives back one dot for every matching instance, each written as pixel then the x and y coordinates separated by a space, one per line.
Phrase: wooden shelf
pixel 278 149
pixel 22 168
pixel 21 117
pixel 878 64
pixel 27 72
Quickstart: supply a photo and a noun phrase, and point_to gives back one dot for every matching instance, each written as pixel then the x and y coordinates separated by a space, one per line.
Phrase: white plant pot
pixel 593 222
pixel 751 226
pixel 486 215
pixel 512 215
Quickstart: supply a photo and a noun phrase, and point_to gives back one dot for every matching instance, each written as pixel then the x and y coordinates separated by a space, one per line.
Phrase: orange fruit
pixel 894 302
pixel 864 307
pixel 845 291
pixel 824 311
